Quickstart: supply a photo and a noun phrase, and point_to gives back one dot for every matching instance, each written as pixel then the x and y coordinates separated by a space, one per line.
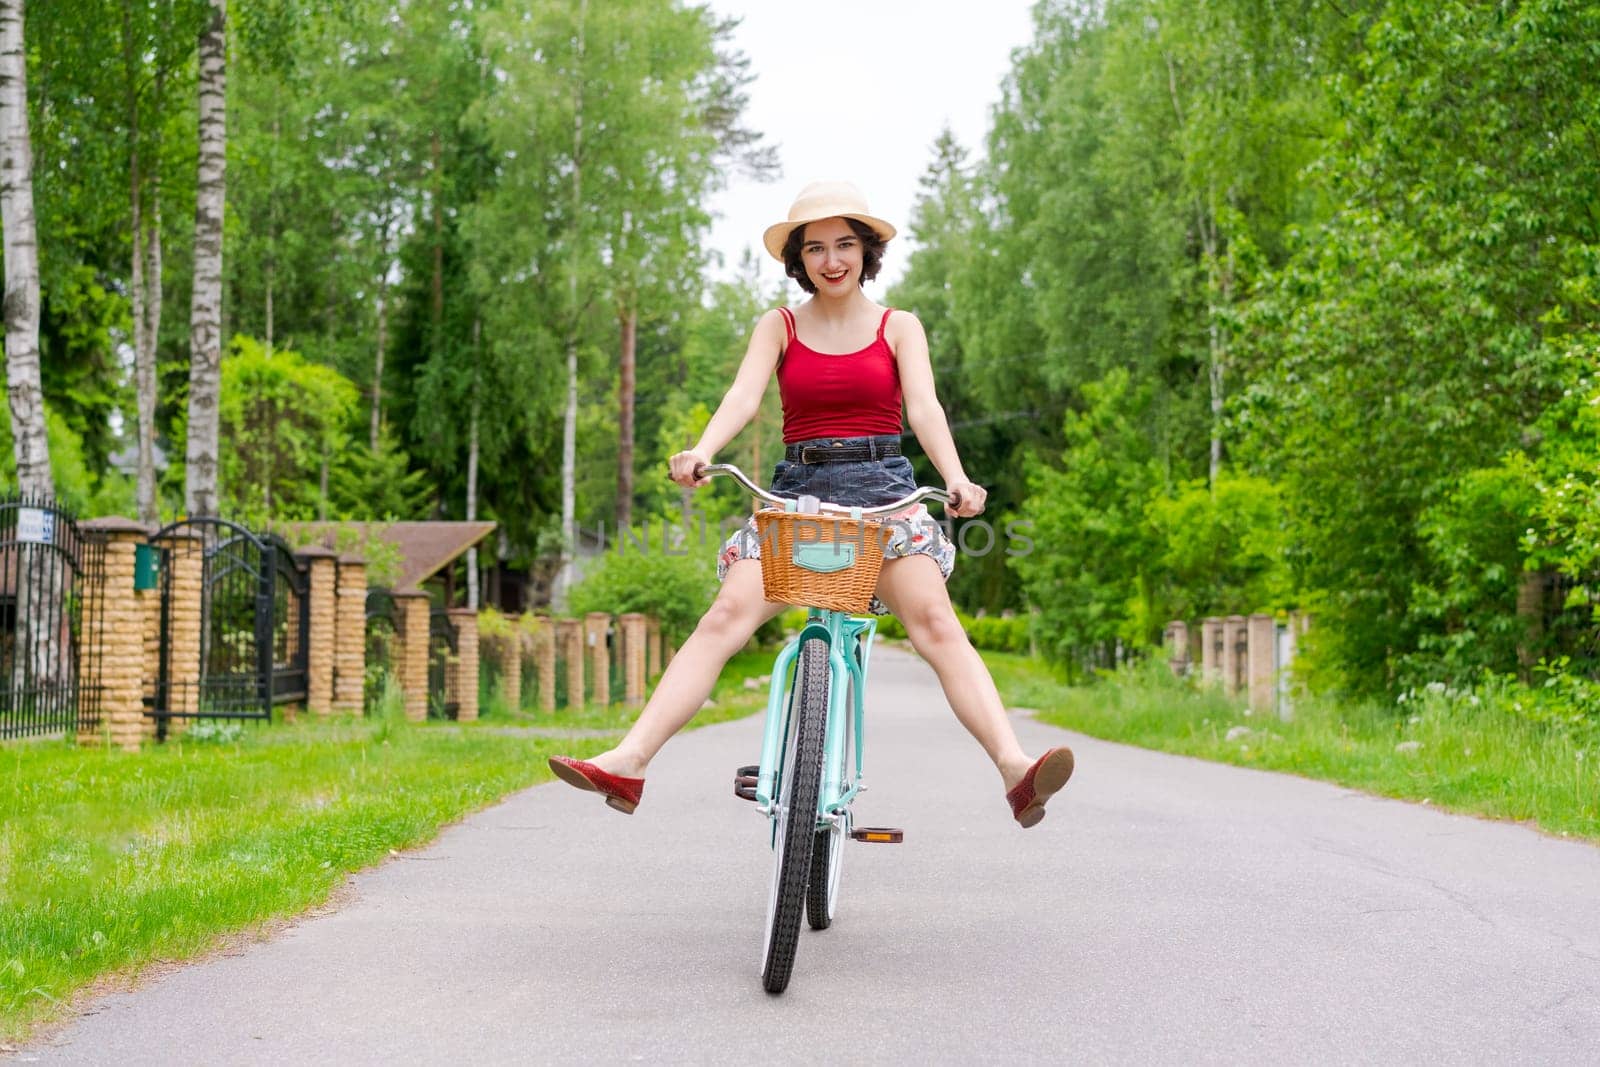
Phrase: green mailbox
pixel 146 566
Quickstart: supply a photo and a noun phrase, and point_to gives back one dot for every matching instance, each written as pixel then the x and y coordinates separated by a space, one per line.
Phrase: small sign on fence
pixel 36 526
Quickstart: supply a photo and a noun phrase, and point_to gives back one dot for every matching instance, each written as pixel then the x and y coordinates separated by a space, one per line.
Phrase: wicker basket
pixel 819 561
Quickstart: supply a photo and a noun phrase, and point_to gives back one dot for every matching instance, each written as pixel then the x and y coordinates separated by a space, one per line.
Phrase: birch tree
pixel 205 307
pixel 30 445
pixel 145 265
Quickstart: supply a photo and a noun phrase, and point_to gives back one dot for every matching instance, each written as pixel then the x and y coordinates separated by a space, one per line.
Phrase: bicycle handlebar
pixel 926 492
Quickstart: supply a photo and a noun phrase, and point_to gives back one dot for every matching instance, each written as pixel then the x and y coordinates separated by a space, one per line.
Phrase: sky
pixel 859 91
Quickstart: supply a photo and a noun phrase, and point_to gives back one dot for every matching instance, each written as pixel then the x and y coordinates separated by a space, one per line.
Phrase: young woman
pixel 844 368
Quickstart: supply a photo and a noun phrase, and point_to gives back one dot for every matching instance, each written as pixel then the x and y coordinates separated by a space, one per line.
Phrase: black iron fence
pixel 383 643
pixel 49 680
pixel 442 703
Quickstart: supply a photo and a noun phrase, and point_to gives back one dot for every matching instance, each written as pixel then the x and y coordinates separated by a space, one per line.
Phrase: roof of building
pixel 425 548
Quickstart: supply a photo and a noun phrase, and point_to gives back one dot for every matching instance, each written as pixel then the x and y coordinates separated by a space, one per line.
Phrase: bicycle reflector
pixel 884 835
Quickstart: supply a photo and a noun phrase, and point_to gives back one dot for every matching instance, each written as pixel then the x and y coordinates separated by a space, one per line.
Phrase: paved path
pixel 1167 910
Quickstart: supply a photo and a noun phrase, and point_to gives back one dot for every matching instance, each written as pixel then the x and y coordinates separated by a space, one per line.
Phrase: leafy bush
pixel 492 623
pixel 999 633
pixel 994 633
pixel 1467 607
pixel 676 589
pixel 1225 548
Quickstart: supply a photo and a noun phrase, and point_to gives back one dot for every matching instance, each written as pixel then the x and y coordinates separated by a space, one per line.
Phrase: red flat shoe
pixel 1043 781
pixel 620 793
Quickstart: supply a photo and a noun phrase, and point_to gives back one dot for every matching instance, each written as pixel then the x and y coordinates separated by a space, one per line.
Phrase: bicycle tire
pixel 797 824
pixel 827 851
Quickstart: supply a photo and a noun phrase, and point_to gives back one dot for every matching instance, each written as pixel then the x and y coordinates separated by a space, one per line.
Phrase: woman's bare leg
pixel 914 590
pixel 736 614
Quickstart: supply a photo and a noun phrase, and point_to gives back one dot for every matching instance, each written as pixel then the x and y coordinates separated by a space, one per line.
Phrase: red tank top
pixel 856 394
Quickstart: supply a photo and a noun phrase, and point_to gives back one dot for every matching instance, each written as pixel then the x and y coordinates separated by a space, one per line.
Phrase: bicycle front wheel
pixel 827 851
pixel 796 815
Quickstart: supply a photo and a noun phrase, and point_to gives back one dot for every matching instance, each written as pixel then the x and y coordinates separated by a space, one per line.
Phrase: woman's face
pixel 831 252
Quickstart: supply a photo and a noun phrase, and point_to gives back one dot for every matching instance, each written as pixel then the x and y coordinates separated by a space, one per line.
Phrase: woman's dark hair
pixel 871 254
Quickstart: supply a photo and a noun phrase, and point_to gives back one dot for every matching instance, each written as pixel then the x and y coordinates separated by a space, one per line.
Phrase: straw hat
pixel 823 200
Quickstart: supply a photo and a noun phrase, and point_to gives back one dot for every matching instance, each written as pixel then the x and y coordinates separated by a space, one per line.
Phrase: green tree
pixel 283 417
pixel 1420 332
pixel 1090 572
pixel 1224 549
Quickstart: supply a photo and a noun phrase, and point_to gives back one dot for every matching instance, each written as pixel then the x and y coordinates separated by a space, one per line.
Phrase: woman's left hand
pixel 970 499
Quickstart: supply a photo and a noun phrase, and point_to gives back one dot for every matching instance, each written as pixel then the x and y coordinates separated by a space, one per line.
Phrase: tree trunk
pixel 630 332
pixel 756 438
pixel 383 340
pixel 31 446
pixel 39 656
pixel 145 277
pixel 1530 613
pixel 205 308
pixel 569 426
pixel 272 222
pixel 145 493
pixel 145 382
pixel 437 307
pixel 1215 347
pixel 472 465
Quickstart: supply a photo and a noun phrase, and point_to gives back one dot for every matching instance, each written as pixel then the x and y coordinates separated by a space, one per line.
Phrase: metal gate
pixel 48 681
pixel 234 615
pixel 441 660
pixel 383 628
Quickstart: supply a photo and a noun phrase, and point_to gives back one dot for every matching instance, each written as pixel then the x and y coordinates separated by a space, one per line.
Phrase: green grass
pixel 1472 755
pixel 730 701
pixel 112 860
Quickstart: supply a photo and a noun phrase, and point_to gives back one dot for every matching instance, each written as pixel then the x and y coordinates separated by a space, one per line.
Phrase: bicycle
pixel 811 751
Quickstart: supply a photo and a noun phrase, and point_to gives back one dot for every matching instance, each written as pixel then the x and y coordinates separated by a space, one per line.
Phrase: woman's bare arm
pixel 924 412
pixel 740 403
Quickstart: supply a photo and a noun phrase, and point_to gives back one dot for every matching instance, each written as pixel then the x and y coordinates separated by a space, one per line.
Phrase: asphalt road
pixel 1166 911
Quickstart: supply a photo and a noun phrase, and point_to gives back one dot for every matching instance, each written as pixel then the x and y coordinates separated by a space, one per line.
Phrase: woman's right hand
pixel 682 469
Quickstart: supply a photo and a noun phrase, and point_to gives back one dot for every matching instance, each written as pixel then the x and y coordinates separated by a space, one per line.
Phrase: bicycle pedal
pixel 878 835
pixel 744 782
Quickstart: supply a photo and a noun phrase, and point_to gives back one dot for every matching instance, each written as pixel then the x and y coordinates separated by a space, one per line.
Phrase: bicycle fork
pixel 849 643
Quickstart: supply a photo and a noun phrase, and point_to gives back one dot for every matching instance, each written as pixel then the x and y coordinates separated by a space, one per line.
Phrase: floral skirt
pixel 870 483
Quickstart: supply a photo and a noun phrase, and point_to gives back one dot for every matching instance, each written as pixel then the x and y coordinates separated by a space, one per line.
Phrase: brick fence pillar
pixel 1177 642
pixel 569 647
pixel 1211 650
pixel 322 633
pixel 652 665
pixel 542 636
pixel 595 626
pixel 1261 668
pixel 185 590
pixel 633 628
pixel 411 657
pixel 463 671
pixel 112 635
pixel 350 636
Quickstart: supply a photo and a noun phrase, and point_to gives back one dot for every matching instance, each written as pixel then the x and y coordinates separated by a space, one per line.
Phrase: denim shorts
pixel 863 484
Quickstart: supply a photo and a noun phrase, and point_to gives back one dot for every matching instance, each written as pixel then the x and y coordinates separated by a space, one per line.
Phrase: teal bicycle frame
pixel 849 642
